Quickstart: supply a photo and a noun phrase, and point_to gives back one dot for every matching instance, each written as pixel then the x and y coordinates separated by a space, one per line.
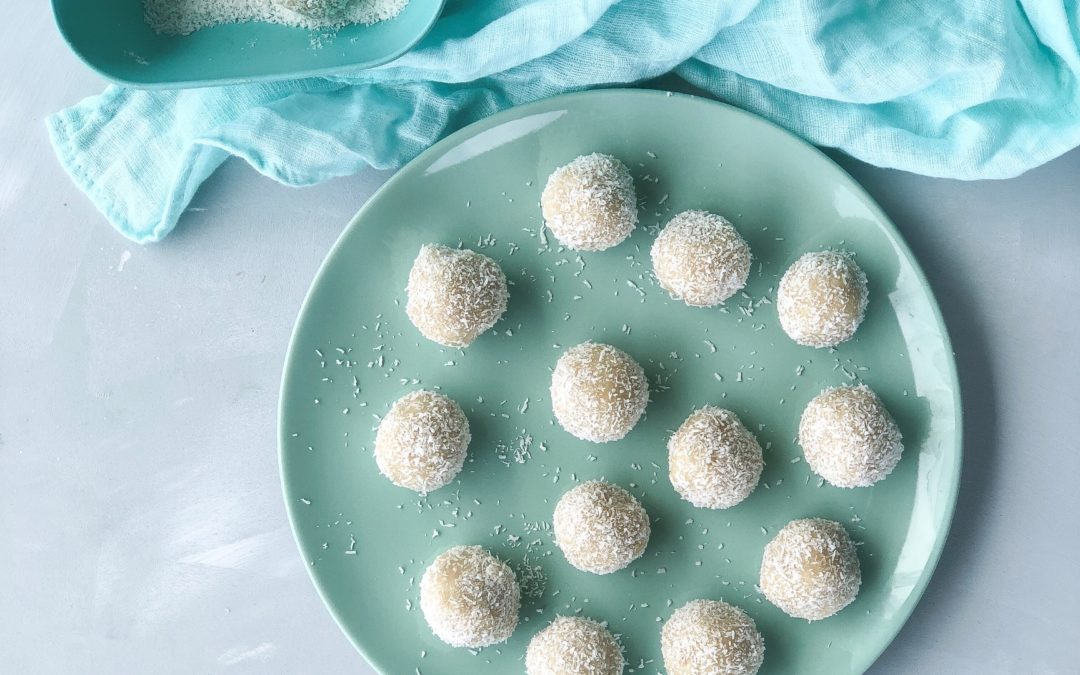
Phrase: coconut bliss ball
pixel 713 637
pixel 849 438
pixel 470 598
pixel 700 258
pixel 598 392
pixel 821 299
pixel 810 569
pixel 714 462
pixel 574 646
pixel 422 440
pixel 600 527
pixel 454 294
pixel 590 204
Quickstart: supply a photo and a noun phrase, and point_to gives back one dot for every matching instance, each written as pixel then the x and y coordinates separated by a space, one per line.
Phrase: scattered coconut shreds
pixel 518 451
pixel 182 17
pixel 532 580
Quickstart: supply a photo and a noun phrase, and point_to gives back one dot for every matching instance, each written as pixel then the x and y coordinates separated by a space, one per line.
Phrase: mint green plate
pixel 368 542
pixel 111 37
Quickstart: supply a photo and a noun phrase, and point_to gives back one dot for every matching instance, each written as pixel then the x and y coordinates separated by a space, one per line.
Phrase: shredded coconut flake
pixel 181 17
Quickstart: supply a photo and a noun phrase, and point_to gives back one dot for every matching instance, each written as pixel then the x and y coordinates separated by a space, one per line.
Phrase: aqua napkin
pixel 957 88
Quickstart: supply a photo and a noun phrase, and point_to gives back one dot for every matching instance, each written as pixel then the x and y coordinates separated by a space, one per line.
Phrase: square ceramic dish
pixel 112 37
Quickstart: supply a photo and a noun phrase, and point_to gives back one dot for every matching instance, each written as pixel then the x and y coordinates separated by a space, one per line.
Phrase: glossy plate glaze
pixel 354 352
pixel 112 37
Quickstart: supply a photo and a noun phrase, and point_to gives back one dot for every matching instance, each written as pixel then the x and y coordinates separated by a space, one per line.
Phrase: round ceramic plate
pixel 354 352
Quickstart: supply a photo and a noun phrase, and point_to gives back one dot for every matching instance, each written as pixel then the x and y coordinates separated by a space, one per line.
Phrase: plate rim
pixel 919 588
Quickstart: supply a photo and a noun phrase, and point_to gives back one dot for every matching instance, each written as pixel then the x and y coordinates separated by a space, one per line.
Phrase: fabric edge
pixel 60 137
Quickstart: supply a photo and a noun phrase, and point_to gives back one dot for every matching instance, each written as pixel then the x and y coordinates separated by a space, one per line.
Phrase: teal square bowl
pixel 113 38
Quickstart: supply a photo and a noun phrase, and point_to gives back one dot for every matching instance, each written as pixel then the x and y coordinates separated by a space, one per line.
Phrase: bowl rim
pixel 326 71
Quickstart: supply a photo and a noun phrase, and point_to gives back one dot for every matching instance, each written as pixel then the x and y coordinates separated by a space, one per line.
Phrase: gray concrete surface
pixel 141 526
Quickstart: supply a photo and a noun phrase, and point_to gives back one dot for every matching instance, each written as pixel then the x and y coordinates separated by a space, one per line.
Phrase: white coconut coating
pixel 810 569
pixel 822 299
pixel 849 438
pixel 590 204
pixel 317 9
pixel 574 646
pixel 422 441
pixel 600 527
pixel 710 637
pixel 455 294
pixel 714 462
pixel 598 392
pixel 470 598
pixel 700 258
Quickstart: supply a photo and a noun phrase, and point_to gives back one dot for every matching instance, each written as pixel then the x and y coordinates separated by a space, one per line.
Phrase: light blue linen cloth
pixel 957 88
